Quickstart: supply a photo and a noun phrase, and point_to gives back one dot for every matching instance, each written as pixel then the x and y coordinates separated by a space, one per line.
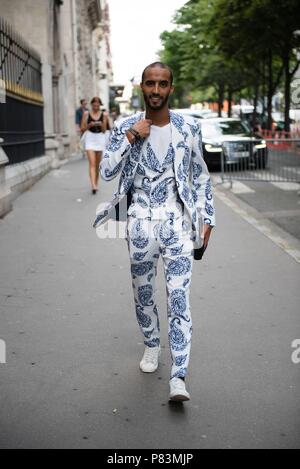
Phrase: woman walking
pixel 95 124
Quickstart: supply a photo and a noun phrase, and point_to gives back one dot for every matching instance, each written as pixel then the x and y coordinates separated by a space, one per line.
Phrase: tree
pixel 244 46
pixel 260 34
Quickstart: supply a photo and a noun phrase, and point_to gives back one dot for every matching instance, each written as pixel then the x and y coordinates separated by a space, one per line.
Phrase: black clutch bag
pixel 198 253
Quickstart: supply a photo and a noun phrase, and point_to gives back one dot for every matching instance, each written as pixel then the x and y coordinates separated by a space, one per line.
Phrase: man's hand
pixel 143 127
pixel 207 233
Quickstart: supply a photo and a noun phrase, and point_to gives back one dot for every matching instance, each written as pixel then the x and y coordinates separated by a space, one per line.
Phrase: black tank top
pixel 95 130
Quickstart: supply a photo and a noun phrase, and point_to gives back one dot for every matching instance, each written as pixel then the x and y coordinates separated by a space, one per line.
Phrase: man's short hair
pixel 82 101
pixel 161 65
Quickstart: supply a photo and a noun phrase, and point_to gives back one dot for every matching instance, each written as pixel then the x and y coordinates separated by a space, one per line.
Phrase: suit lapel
pixel 178 137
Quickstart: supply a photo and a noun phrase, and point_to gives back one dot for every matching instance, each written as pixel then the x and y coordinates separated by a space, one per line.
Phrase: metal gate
pixel 21 113
pixel 269 160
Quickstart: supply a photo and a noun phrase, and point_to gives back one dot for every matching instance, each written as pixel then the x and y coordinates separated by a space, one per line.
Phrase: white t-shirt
pixel 160 139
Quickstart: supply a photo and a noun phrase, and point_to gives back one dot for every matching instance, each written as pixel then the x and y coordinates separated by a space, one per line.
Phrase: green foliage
pixel 234 46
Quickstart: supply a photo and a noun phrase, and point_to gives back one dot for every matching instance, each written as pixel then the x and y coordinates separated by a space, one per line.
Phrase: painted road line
pixel 216 179
pixel 239 187
pixel 287 186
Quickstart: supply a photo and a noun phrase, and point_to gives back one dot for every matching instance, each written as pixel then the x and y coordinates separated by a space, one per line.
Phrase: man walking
pixel 79 113
pixel 159 155
pixel 78 118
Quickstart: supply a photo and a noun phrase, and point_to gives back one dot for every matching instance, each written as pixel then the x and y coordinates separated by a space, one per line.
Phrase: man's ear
pixel 172 89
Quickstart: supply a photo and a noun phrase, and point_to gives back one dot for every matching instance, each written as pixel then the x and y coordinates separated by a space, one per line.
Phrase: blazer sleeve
pixel 201 182
pixel 115 154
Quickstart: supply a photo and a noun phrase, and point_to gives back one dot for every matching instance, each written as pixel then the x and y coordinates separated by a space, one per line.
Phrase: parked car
pixel 197 114
pixel 233 138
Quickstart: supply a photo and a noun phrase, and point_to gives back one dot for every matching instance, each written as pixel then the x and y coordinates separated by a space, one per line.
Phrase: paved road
pixel 73 345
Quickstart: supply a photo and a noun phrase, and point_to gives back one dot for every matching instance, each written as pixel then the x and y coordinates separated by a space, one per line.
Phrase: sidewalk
pixel 73 345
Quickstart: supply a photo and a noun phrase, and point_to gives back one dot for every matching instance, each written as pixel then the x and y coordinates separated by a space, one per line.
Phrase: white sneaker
pixel 178 391
pixel 149 362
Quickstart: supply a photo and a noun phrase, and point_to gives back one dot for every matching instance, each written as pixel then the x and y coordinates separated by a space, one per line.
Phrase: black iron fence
pixel 21 110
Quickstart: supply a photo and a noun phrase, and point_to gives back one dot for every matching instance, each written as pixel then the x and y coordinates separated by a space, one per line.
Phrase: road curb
pixel 280 237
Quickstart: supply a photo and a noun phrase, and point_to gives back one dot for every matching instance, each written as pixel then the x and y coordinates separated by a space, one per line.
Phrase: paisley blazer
pixel 191 173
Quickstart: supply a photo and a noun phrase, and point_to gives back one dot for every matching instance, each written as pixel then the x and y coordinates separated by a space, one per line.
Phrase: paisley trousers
pixel 147 240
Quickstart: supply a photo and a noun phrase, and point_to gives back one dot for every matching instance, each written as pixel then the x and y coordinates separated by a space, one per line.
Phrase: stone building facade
pixel 105 55
pixel 68 35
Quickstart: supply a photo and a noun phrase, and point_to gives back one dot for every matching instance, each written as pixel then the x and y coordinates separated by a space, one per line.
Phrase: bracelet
pixel 131 132
pixel 134 132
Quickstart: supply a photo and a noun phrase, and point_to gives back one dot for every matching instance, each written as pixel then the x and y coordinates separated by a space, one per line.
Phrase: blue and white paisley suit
pixel 149 237
pixel 192 176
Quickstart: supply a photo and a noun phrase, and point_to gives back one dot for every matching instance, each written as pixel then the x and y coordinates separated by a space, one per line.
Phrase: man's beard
pixel 160 103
